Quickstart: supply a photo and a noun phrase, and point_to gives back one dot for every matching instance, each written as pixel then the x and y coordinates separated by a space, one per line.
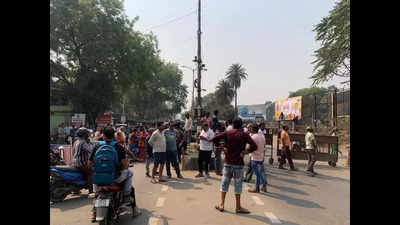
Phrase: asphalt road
pixel 293 199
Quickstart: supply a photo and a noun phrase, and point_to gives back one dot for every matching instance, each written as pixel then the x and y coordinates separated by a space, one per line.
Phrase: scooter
pixel 65 180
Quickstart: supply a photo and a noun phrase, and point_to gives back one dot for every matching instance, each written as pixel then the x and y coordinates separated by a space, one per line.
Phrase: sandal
pixel 243 210
pixel 217 207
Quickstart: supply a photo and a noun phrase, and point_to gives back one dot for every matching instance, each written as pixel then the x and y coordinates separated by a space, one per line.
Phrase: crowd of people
pixel 166 144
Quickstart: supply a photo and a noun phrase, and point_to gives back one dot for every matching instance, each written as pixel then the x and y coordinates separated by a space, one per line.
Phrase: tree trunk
pixel 236 111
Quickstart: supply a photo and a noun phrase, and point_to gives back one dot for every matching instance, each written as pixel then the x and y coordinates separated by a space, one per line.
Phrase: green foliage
pixel 333 58
pixel 235 74
pixel 210 103
pixel 224 92
pixel 100 62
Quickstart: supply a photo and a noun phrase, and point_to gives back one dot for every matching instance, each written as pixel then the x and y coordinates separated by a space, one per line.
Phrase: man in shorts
pixel 236 141
pixel 158 142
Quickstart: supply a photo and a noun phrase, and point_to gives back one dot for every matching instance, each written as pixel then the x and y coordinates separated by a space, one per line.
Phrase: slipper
pixel 243 210
pixel 217 207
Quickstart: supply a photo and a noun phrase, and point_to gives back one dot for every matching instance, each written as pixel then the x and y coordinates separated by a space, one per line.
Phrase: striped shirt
pixel 82 153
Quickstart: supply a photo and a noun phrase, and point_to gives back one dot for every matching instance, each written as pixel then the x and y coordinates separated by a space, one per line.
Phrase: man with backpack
pixel 110 164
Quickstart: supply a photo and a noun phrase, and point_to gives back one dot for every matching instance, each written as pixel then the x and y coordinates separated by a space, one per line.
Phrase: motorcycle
pixel 65 180
pixel 109 205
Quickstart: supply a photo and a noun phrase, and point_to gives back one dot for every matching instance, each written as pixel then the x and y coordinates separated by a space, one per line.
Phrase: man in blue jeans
pixel 217 151
pixel 234 150
pixel 172 150
pixel 257 159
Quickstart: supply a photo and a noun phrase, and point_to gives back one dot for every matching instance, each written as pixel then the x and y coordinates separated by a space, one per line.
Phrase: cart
pixel 326 148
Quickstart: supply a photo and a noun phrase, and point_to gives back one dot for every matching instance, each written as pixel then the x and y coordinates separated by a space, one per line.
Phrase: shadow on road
pixel 288 189
pixel 144 218
pixel 73 203
pixel 295 182
pixel 294 201
pixel 261 218
pixel 327 177
pixel 181 185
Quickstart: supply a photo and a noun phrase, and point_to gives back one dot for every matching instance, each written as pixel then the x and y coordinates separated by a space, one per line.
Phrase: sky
pixel 272 39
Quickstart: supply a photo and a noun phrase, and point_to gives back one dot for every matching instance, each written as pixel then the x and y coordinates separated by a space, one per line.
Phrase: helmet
pixel 83 132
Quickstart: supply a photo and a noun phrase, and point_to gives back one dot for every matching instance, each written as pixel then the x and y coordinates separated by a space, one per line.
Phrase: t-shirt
pixel 170 138
pixel 236 141
pixel 285 140
pixel 205 145
pixel 157 141
pixel 309 139
pixel 258 155
pixel 120 151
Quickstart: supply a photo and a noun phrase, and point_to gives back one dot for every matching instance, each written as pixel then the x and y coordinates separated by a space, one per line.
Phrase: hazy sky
pixel 272 39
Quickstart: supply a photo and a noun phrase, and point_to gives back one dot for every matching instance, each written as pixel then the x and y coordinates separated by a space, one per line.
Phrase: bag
pixel 104 162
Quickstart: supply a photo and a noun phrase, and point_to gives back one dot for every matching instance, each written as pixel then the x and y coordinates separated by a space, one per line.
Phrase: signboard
pixel 78 119
pixel 252 112
pixel 103 120
pixel 290 107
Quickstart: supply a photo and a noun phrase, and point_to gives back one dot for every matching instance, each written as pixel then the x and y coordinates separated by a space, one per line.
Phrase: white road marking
pixel 272 217
pixel 257 200
pixel 160 202
pixel 164 188
pixel 153 221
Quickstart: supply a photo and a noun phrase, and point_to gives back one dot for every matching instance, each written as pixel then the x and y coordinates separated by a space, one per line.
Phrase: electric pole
pixel 199 63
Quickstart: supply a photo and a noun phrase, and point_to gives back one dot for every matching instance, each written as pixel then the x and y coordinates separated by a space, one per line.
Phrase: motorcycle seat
pixel 65 168
pixel 113 188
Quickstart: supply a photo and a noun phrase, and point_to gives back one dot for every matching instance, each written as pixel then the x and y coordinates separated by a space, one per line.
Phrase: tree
pixel 333 58
pixel 224 92
pixel 235 74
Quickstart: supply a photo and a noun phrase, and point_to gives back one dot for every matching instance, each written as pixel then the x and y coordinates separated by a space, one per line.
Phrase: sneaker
pixel 199 175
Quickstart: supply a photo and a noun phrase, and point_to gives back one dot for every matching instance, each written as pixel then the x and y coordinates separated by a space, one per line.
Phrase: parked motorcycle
pixel 109 206
pixel 65 180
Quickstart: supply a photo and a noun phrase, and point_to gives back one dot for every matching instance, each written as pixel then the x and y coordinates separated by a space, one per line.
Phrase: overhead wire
pixel 171 21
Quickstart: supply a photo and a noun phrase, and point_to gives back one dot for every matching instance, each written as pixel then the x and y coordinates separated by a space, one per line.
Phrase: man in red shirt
pixel 234 150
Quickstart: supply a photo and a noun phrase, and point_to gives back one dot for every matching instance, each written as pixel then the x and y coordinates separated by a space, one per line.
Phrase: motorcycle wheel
pixel 57 197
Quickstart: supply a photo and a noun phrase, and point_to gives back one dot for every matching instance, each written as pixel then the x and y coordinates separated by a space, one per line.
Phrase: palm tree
pixel 235 74
pixel 224 92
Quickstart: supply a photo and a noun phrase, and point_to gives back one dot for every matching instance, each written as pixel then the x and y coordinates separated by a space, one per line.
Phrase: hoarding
pixel 251 112
pixel 290 107
pixel 78 119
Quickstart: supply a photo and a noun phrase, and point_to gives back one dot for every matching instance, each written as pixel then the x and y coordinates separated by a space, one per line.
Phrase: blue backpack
pixel 104 162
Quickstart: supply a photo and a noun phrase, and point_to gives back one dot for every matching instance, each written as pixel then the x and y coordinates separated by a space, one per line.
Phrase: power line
pixel 171 21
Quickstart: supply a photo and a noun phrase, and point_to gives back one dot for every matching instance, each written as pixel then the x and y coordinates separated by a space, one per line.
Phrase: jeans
pixel 258 168
pixel 172 157
pixel 229 172
pixel 249 172
pixel 311 159
pixel 218 160
pixel 149 159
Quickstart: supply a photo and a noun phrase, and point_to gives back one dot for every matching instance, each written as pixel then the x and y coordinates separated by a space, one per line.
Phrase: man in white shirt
pixel 206 147
pixel 158 142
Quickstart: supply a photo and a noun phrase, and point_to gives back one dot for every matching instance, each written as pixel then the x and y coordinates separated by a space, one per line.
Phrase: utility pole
pixel 199 63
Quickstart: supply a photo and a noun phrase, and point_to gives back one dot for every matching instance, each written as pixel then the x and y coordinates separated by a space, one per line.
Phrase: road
pixel 293 199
